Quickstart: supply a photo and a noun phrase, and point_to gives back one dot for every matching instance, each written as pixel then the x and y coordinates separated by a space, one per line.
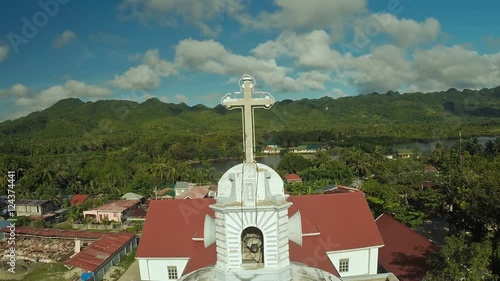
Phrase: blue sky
pixel 195 51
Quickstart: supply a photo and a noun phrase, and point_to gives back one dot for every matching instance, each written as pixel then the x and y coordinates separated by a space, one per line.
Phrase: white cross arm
pixel 255 102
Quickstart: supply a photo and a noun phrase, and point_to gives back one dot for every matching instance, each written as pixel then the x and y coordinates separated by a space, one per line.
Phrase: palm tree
pixel 47 174
pixel 172 174
pixel 321 159
pixel 438 152
pixel 160 168
pixel 356 160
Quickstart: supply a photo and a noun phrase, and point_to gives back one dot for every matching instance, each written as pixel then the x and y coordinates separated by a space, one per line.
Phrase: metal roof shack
pixel 30 202
pixel 97 254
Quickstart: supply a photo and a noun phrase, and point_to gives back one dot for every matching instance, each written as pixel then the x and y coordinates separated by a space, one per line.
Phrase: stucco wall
pixel 156 269
pixel 361 261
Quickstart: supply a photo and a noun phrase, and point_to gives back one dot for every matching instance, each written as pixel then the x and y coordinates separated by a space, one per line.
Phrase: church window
pixel 172 272
pixel 343 265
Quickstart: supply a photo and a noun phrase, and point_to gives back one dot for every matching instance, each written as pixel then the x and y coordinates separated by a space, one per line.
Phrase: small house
pixel 404 153
pixel 29 208
pixel 78 199
pixel 291 178
pixel 116 211
pixel 182 186
pixel 307 148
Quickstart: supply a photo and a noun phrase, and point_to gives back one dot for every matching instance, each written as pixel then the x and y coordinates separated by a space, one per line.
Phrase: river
pixel 273 159
pixel 430 146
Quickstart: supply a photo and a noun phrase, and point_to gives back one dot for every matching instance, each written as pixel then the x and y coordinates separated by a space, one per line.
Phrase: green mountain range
pixel 73 125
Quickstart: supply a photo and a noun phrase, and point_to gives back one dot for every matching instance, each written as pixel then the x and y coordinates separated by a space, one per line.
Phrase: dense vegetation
pixel 113 147
pixel 459 186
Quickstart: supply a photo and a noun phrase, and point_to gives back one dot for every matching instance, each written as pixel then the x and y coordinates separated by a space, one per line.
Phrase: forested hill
pixel 74 125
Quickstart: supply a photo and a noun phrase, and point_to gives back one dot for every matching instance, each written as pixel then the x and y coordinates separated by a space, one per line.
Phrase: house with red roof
pixel 78 199
pixel 405 252
pixel 339 235
pixel 291 178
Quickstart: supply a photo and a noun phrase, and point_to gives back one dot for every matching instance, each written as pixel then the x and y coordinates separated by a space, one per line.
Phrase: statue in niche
pixel 252 248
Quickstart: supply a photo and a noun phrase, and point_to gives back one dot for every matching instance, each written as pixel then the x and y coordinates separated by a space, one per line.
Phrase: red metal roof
pixel 405 251
pixel 79 199
pixel 343 220
pixel 90 258
pixel 96 254
pixel 293 177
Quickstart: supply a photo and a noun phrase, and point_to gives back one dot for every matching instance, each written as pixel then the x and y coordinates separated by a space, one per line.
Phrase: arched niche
pixel 252 246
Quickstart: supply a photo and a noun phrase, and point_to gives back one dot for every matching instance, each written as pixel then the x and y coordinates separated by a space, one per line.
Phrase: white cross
pixel 248 103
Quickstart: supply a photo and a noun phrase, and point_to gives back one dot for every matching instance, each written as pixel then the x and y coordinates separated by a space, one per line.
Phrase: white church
pixel 253 232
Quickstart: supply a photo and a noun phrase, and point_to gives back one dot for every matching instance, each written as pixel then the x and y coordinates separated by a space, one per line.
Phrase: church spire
pixel 248 103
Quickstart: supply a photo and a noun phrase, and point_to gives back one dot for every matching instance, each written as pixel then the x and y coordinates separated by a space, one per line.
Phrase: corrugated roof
pixel 30 202
pixel 292 177
pixel 96 254
pixel 117 205
pixel 131 196
pixel 193 193
pixel 52 232
pixel 405 251
pixel 79 199
pixel 348 224
pixel 90 258
pixel 184 184
pixel 139 213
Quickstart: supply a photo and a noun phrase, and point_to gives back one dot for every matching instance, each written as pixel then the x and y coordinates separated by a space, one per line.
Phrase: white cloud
pixel 202 14
pixel 314 80
pixel 140 77
pixel 65 38
pixel 181 98
pixel 303 15
pixel 405 32
pixel 310 50
pixel 163 68
pixel 386 68
pixel 336 93
pixel 18 90
pixel 4 51
pixel 211 57
pixel 145 76
pixel 445 67
pixel 70 89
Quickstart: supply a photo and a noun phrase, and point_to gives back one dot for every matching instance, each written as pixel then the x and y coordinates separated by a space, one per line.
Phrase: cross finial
pixel 248 103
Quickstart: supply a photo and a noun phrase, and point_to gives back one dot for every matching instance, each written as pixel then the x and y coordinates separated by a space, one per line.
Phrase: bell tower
pixel 251 227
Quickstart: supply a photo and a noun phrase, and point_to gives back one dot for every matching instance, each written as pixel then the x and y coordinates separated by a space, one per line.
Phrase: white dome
pixel 250 182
